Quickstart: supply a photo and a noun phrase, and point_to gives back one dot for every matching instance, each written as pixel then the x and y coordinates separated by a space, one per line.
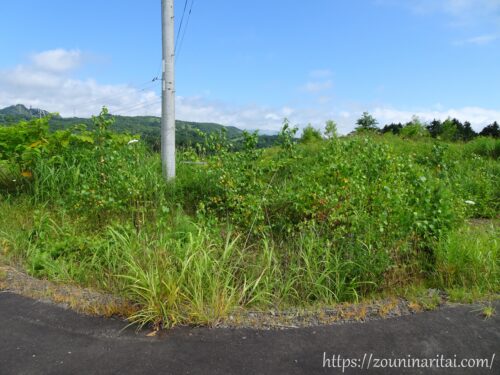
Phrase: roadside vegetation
pixel 305 223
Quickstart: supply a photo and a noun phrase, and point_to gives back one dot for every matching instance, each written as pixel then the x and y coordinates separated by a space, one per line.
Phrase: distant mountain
pixel 147 126
pixel 21 111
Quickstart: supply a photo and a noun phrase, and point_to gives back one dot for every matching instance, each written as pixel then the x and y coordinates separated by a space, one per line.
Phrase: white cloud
pixel 320 80
pixel 287 111
pixel 57 60
pixel 317 86
pixel 24 78
pixel 478 40
pixel 249 117
pixel 272 116
pixel 38 86
pixel 42 84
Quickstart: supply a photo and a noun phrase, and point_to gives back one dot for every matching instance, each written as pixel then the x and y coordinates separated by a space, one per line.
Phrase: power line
pixel 135 107
pixel 180 25
pixel 185 29
pixel 139 108
pixel 138 88
pixel 144 88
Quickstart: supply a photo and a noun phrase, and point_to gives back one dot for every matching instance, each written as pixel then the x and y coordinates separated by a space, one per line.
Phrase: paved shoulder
pixel 40 338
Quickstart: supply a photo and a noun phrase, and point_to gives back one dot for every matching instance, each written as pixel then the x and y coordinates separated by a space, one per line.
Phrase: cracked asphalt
pixel 42 338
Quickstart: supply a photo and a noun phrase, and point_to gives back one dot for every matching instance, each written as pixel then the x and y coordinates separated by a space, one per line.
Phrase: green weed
pixel 469 257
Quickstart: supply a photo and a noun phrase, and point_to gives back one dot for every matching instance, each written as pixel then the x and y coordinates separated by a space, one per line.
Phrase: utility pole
pixel 168 91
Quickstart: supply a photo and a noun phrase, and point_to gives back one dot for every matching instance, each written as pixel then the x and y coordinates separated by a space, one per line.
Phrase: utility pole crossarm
pixel 168 91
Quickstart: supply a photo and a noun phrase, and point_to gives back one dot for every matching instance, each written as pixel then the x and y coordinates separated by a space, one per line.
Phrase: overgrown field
pixel 299 224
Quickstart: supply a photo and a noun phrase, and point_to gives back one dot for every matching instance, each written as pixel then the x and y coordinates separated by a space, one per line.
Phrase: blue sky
pixel 251 63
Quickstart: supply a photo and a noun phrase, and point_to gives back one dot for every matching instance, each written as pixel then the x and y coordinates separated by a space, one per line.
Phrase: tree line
pixel 450 129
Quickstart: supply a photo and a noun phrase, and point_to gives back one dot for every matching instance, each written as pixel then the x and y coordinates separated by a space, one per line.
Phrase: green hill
pixel 19 111
pixel 148 127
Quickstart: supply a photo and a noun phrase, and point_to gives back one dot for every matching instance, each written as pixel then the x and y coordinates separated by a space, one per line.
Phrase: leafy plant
pixel 309 135
pixel 366 123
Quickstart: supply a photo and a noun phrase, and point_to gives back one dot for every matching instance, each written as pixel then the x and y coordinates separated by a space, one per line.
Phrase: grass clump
pixel 469 258
pixel 488 312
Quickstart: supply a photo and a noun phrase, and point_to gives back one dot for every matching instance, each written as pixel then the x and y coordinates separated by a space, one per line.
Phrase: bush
pixel 309 135
pixel 484 146
pixel 414 130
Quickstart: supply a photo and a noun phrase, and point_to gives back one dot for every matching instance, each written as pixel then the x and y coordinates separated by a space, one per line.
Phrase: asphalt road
pixel 40 338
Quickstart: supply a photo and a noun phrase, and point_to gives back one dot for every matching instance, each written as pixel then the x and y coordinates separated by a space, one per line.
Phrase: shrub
pixel 414 129
pixel 309 135
pixel 484 146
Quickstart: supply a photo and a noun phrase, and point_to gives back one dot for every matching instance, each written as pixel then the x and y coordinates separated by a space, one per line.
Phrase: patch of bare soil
pixel 82 300
pixel 338 314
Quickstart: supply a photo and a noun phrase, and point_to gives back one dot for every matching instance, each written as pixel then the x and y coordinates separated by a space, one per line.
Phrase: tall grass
pixel 191 274
pixel 199 279
pixel 469 258
pixel 484 146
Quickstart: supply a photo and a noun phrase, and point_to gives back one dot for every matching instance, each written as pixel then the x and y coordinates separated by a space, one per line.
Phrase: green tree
pixel 449 130
pixel 435 128
pixel 392 128
pixel 414 129
pixel 466 132
pixel 492 130
pixel 310 135
pixel 331 129
pixel 366 123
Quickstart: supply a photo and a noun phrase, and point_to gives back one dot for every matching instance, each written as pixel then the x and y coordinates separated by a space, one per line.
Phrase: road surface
pixel 41 338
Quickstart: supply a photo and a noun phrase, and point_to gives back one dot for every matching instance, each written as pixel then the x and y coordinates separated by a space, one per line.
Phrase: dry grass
pixel 387 307
pixel 415 306
pixel 82 300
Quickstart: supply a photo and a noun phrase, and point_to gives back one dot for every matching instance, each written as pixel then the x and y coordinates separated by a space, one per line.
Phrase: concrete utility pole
pixel 168 91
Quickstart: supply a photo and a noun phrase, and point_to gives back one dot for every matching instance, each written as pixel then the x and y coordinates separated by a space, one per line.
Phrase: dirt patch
pixel 83 300
pixel 338 314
